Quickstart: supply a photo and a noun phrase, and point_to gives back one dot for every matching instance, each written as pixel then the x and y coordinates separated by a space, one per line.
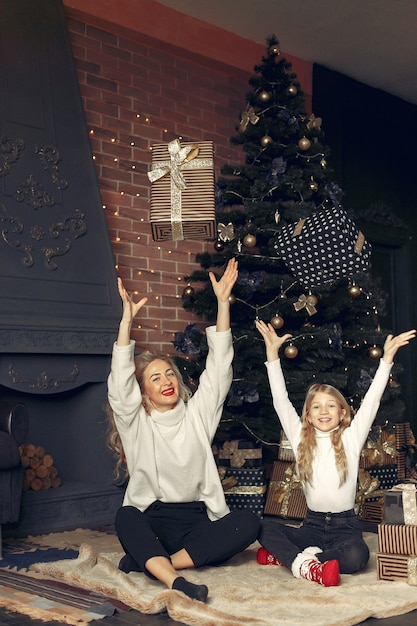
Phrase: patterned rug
pixel 26 592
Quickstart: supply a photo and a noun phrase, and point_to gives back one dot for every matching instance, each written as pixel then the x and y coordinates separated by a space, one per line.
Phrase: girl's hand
pixel 392 344
pixel 223 288
pixel 130 308
pixel 273 342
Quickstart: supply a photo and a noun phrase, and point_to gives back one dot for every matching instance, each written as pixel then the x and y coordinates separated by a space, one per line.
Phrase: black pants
pixel 339 535
pixel 164 529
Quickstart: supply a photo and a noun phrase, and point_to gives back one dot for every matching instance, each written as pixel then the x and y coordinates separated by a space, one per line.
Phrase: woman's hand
pixel 273 342
pixel 130 308
pixel 392 344
pixel 223 288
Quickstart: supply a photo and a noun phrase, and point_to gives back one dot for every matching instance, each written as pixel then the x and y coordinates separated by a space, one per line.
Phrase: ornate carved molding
pixel 43 381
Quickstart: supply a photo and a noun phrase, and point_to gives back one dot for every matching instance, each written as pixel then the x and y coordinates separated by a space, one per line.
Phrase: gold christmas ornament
pixel 354 290
pixel 375 352
pixel 265 141
pixel 218 245
pixel 188 291
pixel 291 351
pixel 274 49
pixel 304 143
pixel 323 163
pixel 232 299
pixel 277 322
pixel 292 90
pixel 264 96
pixel 249 240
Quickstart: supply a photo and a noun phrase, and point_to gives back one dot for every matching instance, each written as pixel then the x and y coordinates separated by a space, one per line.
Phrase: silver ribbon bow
pixel 248 116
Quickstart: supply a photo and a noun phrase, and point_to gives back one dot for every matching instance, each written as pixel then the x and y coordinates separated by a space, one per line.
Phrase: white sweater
pixel 168 454
pixel 325 494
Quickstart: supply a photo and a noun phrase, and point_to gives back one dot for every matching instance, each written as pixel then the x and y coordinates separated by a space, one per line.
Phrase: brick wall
pixel 135 94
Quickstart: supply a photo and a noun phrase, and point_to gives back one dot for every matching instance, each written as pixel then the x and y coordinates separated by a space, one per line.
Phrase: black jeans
pixel 338 535
pixel 165 528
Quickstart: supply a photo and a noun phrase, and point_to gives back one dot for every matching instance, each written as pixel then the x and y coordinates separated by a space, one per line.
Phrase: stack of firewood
pixel 39 470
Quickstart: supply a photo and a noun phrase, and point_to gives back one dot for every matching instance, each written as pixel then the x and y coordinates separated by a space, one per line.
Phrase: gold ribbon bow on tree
pixel 367 488
pixel 377 450
pixel 282 489
pixel 236 455
pixel 180 158
pixel 314 122
pixel 248 116
pixel 306 302
pixel 226 232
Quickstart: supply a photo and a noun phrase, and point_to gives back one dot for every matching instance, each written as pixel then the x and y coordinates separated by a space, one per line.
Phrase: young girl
pixel 174 514
pixel 327 447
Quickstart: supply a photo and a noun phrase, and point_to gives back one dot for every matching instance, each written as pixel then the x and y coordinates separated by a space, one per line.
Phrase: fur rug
pixel 240 592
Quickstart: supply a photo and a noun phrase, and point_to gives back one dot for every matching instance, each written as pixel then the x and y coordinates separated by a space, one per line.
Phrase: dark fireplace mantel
pixel 58 289
pixel 59 302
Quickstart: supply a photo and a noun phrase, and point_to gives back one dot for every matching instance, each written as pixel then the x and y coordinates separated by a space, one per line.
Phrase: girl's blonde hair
pixel 307 445
pixel 113 440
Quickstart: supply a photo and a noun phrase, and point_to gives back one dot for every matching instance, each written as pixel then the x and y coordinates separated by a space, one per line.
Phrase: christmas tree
pixel 333 314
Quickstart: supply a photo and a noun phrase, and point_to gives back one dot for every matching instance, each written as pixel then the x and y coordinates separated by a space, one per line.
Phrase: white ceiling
pixel 372 41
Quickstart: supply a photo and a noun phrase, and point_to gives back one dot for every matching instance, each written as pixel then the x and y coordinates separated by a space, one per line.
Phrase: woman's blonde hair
pixel 307 445
pixel 113 440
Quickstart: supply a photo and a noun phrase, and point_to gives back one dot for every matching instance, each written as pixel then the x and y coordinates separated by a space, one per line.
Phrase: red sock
pixel 264 557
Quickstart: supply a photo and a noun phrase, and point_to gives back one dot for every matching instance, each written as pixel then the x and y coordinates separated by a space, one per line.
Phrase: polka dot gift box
pixel 323 247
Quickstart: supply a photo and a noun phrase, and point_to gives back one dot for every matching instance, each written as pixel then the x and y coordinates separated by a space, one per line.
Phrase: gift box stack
pixel 243 475
pixel 397 535
pixel 379 471
pixel 182 192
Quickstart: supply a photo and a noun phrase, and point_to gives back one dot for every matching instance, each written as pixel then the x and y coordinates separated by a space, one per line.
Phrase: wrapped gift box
pixel 372 510
pixel 400 505
pixel 182 192
pixel 397 539
pixel 403 437
pixel 397 567
pixel 386 474
pixel 240 453
pixel 285 497
pixel 244 488
pixel 380 449
pixel 285 452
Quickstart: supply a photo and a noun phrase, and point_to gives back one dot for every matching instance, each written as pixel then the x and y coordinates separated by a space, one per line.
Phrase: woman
pixel 327 448
pixel 174 514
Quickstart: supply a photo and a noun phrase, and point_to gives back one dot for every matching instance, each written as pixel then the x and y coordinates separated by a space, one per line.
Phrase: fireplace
pixel 59 303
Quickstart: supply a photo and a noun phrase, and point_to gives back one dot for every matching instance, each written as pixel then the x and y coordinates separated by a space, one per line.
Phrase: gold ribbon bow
pixel 314 122
pixel 367 488
pixel 236 455
pixel 306 302
pixel 230 485
pixel 375 451
pixel 180 158
pixel 409 502
pixel 226 231
pixel 281 489
pixel 248 116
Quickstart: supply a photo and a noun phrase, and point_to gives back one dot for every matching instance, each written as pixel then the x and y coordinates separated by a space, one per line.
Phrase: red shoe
pixel 326 574
pixel 266 558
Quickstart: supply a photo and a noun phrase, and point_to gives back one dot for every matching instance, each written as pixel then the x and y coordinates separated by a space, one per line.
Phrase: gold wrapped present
pixel 285 496
pixel 400 504
pixel 397 567
pixel 240 453
pixel 182 192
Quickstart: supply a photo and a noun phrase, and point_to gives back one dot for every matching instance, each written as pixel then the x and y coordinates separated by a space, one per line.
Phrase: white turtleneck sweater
pixel 325 494
pixel 168 454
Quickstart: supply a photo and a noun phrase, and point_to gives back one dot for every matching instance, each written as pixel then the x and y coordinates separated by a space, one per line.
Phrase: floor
pixel 8 618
